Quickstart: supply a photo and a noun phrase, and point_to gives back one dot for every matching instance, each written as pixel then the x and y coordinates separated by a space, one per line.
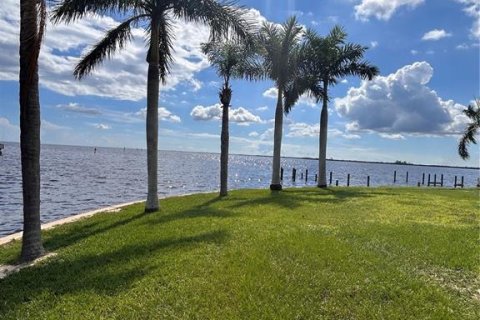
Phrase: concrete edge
pixel 110 209
pixel 53 224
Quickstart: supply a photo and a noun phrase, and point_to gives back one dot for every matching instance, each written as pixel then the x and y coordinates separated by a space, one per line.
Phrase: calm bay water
pixel 74 179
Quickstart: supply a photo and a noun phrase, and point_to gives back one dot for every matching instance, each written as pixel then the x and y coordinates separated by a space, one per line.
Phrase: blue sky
pixel 427 52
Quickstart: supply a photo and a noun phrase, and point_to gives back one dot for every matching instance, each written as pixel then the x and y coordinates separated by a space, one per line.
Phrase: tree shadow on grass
pixel 297 197
pixel 105 273
pixel 76 232
pixel 291 198
pixel 202 210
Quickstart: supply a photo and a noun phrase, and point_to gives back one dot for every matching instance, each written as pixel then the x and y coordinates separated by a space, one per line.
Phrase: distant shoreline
pixel 268 156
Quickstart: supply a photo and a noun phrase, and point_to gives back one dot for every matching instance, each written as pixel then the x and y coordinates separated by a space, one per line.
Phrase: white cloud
pixel 102 126
pixel 8 130
pixel 392 136
pixel 435 35
pixel 414 52
pixel 163 114
pixel 267 135
pixel 374 44
pixel 253 134
pixel 300 129
pixel 462 46
pixel 382 9
pixel 77 108
pixel 264 108
pixel 401 103
pixel 344 81
pixel 272 93
pixel 240 115
pixel 472 9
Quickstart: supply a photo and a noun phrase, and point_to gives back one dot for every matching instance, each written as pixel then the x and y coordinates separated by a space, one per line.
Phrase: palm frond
pixel 473 113
pixel 115 38
pixel 165 46
pixel 467 138
pixel 71 10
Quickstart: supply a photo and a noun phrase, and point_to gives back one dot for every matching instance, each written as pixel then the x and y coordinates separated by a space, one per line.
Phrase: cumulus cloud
pixel 401 103
pixel 76 108
pixel 272 93
pixel 382 9
pixel 472 9
pixel 436 34
pixel 214 112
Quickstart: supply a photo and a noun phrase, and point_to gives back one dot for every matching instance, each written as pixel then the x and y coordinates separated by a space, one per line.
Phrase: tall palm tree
pixel 326 60
pixel 231 60
pixel 280 46
pixel 473 113
pixel 222 17
pixel 32 26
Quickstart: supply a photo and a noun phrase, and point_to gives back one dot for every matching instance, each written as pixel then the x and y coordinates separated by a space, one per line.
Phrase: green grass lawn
pixel 356 253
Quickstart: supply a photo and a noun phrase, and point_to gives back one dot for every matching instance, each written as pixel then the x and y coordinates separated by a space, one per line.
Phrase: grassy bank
pixel 302 254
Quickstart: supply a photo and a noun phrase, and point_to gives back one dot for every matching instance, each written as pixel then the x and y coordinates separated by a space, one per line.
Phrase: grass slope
pixel 355 253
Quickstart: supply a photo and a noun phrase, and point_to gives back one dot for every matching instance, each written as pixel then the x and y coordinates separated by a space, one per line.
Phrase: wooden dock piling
pixel 395 176
pixel 331 176
pixel 281 173
pixel 294 174
pixel 348 180
pixel 368 181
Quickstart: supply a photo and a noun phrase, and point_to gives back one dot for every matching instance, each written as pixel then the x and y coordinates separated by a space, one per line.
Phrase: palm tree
pixel 473 113
pixel 281 45
pixel 326 60
pixel 222 17
pixel 232 60
pixel 32 26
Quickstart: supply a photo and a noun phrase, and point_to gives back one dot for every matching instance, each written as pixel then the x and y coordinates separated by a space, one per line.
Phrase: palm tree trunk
pixel 225 97
pixel 277 142
pixel 322 156
pixel 30 131
pixel 153 87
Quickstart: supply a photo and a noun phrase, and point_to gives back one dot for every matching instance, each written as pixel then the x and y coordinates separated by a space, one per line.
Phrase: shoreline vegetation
pixel 358 252
pixel 283 157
